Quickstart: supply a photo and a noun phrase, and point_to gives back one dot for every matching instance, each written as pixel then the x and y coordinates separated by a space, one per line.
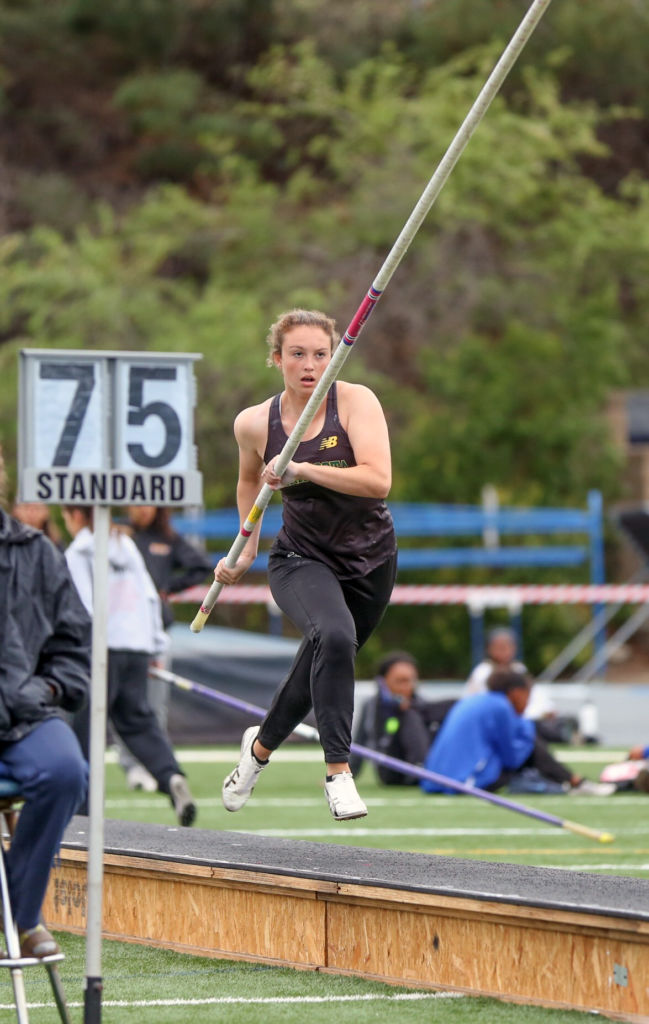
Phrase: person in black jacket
pixel 174 565
pixel 396 721
pixel 45 645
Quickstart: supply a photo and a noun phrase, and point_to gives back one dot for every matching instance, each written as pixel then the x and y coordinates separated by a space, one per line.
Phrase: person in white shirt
pixel 135 636
pixel 501 654
pixel 541 709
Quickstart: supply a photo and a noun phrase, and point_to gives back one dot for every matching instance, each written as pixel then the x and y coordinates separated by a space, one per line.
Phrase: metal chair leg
pixel 13 943
pixel 59 995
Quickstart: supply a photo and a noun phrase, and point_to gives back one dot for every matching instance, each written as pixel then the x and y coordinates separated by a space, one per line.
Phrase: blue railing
pixel 426 522
pixel 434 521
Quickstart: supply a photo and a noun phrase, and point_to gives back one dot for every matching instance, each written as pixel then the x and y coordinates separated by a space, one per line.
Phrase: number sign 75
pixel 138 411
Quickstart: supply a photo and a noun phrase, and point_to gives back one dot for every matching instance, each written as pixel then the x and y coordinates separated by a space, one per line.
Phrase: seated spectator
pixel 632 773
pixel 501 655
pixel 486 742
pixel 396 721
pixel 44 672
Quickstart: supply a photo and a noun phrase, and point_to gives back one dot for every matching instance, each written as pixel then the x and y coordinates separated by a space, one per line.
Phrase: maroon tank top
pixel 350 534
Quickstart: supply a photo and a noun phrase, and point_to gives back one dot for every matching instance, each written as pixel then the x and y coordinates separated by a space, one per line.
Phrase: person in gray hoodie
pixel 45 638
pixel 134 637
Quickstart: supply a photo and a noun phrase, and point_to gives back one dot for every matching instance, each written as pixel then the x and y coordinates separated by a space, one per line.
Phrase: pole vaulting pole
pixel 392 261
pixel 309 733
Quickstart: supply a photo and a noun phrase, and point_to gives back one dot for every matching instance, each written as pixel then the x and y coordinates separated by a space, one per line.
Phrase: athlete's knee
pixel 335 639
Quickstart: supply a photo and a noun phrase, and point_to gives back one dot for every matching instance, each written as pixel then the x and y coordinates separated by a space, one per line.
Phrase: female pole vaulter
pixel 332 566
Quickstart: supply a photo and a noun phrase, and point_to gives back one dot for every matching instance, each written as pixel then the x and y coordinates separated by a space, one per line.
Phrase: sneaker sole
pixel 349 817
pixel 187 816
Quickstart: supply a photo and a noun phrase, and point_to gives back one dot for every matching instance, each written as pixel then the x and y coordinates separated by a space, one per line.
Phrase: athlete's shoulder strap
pixel 332 403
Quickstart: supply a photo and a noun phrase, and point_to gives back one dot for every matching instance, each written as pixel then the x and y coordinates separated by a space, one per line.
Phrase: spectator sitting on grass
pixel 486 742
pixel 396 721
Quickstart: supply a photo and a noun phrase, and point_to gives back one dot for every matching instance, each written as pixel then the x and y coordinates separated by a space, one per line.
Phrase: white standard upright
pixel 105 429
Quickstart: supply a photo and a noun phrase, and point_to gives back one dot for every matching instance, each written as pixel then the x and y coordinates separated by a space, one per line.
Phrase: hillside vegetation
pixel 177 172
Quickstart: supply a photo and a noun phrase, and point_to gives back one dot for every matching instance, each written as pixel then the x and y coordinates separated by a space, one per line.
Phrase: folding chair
pixel 10 799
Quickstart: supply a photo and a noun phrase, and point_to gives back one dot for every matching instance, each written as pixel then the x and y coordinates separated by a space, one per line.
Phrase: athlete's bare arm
pixel 363 418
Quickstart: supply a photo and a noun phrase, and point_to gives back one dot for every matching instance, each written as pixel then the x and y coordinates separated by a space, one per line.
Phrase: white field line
pixel 621 868
pixel 228 755
pixel 313 754
pixel 155 800
pixel 321 833
pixel 591 756
pixel 397 802
pixel 267 1000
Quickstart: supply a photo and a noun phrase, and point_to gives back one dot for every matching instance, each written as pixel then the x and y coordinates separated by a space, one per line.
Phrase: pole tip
pixel 199 621
pixel 606 837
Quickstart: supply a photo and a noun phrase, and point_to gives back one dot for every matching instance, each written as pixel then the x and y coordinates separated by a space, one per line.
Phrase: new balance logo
pixel 329 442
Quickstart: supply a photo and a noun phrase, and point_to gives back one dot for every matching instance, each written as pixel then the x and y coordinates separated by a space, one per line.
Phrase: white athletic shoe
pixel 138 777
pixel 344 801
pixel 589 788
pixel 183 802
pixel 240 783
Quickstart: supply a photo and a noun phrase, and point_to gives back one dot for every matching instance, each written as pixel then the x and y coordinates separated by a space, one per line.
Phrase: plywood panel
pixel 177 912
pixel 506 959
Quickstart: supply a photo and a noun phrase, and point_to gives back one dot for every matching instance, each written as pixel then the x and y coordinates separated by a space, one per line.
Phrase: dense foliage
pixel 182 170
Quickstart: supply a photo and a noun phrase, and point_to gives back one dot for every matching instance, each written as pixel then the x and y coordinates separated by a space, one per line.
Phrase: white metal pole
pixel 93 981
pixel 429 195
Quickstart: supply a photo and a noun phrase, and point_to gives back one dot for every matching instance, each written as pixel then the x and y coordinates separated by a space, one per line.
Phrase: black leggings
pixel 335 617
pixel 544 761
pixel 131 715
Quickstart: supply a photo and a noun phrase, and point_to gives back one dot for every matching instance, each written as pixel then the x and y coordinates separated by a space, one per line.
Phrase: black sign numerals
pixel 139 412
pixel 84 374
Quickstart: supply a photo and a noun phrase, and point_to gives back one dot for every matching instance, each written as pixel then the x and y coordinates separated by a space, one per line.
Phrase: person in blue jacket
pixel 483 736
pixel 485 742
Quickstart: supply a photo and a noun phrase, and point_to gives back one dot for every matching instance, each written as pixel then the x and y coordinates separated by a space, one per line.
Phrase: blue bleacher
pixel 436 521
pixel 425 522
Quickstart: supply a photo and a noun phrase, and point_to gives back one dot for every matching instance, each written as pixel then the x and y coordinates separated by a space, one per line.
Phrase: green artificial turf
pixel 143 985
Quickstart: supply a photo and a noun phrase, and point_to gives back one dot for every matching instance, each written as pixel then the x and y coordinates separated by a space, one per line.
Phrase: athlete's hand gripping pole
pixel 429 195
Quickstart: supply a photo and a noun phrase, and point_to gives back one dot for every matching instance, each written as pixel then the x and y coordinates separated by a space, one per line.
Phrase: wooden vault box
pixel 529 935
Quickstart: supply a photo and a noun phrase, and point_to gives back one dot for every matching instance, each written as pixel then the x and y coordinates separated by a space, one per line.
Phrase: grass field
pixel 144 984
